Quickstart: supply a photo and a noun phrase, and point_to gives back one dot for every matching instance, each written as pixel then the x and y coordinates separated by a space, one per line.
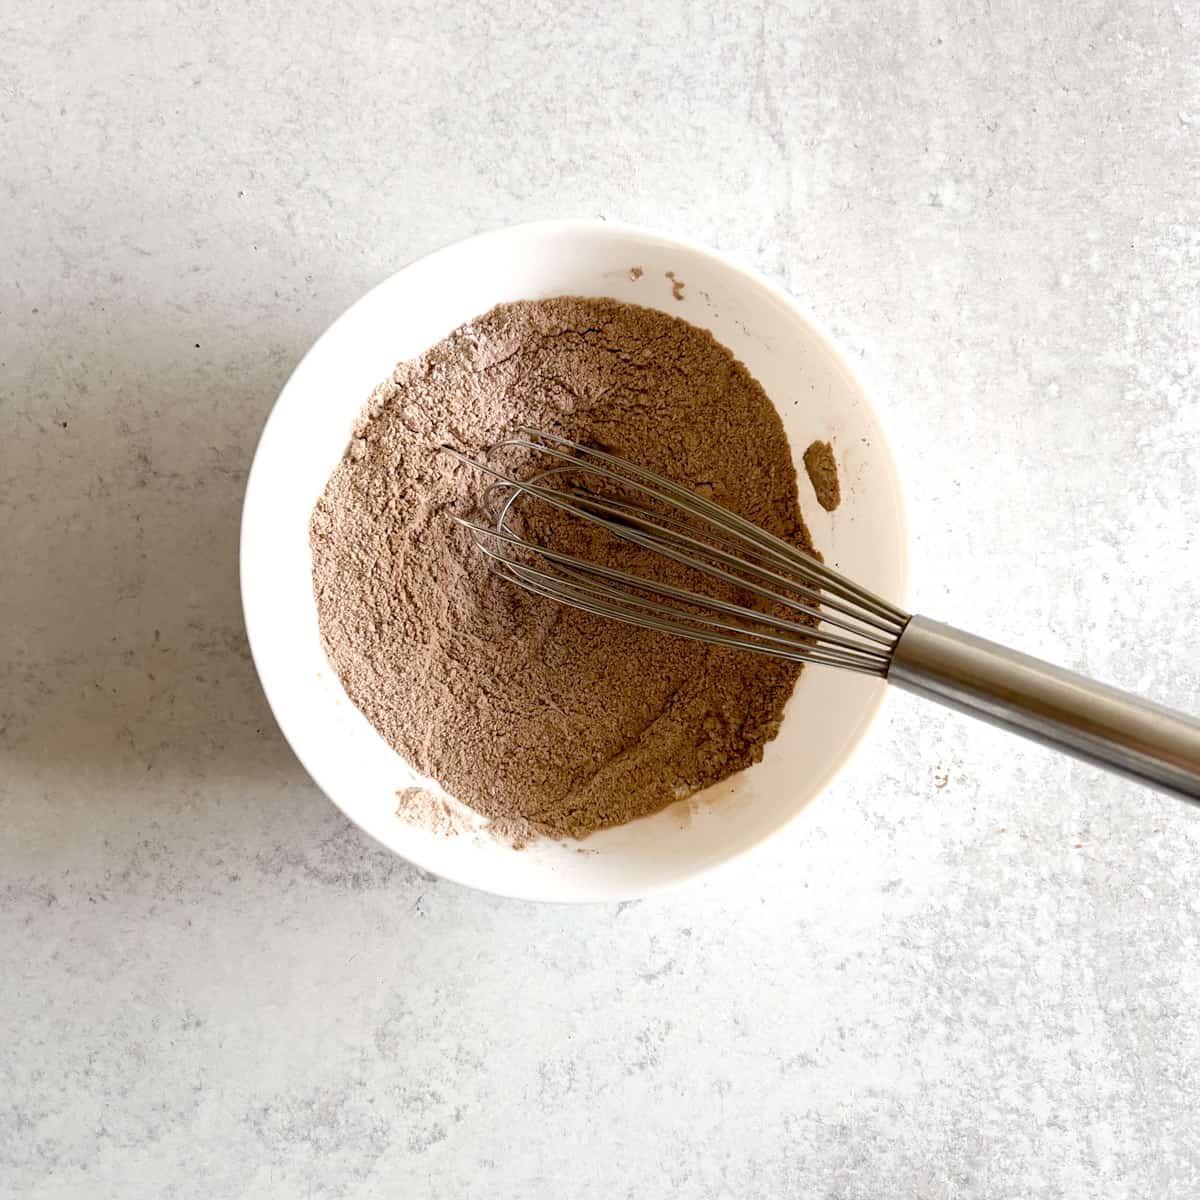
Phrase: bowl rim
pixel 561 225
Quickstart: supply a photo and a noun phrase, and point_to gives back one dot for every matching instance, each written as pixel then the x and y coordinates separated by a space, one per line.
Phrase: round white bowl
pixel 817 396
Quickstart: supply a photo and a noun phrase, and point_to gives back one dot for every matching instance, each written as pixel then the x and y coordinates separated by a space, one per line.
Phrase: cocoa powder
pixel 545 719
pixel 821 468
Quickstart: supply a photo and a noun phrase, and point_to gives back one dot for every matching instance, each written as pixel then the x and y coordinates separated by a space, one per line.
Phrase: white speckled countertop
pixel 971 971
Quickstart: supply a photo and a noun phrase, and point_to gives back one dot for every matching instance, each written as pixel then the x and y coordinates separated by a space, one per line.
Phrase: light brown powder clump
pixel 429 812
pixel 545 719
pixel 822 471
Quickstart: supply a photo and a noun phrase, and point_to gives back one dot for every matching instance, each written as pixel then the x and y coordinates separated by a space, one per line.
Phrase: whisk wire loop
pixel 839 624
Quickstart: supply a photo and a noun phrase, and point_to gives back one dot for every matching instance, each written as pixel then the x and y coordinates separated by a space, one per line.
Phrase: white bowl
pixel 817 396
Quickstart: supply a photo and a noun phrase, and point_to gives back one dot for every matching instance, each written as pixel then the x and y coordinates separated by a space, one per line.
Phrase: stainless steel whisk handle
pixel 1058 708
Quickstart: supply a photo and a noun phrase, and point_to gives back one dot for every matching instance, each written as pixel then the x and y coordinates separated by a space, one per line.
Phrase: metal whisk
pixel 802 610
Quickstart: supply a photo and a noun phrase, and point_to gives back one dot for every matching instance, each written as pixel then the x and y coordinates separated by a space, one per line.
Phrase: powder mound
pixel 821 467
pixel 544 719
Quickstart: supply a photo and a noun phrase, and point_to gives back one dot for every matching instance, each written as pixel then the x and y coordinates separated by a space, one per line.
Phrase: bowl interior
pixel 817 397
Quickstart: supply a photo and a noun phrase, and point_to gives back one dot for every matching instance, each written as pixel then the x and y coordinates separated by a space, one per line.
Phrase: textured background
pixel 971 971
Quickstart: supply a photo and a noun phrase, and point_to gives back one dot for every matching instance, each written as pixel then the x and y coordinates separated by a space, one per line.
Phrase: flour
pixel 544 719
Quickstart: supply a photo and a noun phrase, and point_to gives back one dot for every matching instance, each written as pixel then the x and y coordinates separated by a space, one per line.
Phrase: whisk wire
pixel 657 536
pixel 650 537
pixel 830 623
pixel 576 573
pixel 663 489
pixel 739 638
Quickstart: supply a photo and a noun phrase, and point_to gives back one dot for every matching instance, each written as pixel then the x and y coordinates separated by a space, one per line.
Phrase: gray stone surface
pixel 971 972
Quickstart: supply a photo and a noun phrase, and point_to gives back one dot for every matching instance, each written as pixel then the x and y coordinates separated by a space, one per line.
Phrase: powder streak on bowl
pixel 816 396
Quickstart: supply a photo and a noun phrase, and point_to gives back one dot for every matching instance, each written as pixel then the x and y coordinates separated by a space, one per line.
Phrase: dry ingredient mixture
pixel 544 719
pixel 422 808
pixel 822 471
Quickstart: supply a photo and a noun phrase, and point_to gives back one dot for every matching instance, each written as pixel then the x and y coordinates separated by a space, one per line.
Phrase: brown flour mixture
pixel 821 468
pixel 545 719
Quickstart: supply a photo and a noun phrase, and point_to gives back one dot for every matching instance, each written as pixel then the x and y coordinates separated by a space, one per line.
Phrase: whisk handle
pixel 1058 708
